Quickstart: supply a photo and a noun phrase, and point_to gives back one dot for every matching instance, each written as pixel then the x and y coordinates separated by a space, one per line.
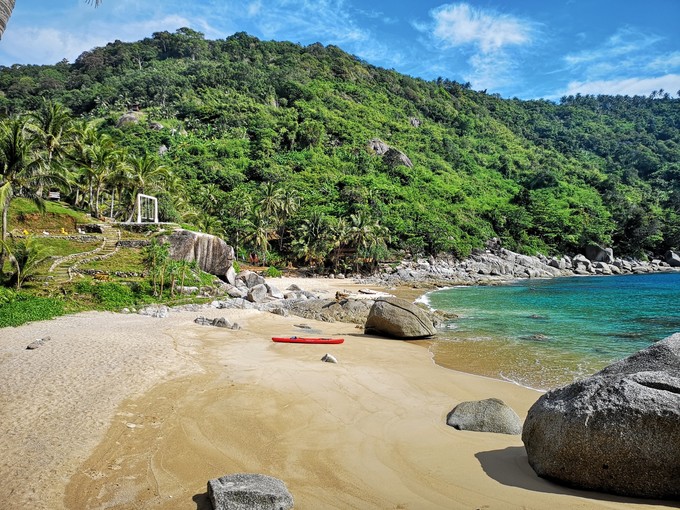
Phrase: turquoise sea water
pixel 544 333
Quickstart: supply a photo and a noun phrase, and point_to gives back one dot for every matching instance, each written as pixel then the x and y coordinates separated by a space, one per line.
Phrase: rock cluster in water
pixel 496 264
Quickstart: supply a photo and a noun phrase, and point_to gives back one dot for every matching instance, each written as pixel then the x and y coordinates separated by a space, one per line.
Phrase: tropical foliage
pixel 267 145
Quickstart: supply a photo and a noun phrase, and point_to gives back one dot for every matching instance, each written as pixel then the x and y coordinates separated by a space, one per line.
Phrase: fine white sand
pixel 133 412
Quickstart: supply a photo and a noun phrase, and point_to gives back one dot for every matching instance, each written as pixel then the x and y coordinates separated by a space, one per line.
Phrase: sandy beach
pixel 132 412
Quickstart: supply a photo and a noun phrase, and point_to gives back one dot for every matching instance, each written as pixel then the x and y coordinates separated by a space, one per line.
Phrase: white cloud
pixel 627 86
pixel 461 25
pixel 667 62
pixel 254 8
pixel 50 45
pixel 626 46
pixel 45 45
pixel 305 20
pixel 490 44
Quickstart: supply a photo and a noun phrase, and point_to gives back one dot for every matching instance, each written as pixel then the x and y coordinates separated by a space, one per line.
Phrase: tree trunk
pixel 6 7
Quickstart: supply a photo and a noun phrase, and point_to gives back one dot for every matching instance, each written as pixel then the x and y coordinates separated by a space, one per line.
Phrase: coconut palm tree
pixel 19 169
pixel 146 173
pixel 259 229
pixel 7 6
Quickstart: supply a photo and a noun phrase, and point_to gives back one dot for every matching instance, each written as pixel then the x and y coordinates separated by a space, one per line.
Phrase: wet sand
pixel 133 412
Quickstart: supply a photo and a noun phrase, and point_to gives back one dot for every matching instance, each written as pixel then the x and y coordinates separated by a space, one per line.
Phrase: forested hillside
pixel 273 145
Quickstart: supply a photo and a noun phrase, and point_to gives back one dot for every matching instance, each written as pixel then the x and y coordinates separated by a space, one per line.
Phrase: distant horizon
pixel 528 50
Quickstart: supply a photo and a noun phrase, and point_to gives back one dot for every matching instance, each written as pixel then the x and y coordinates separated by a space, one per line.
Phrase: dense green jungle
pixel 309 155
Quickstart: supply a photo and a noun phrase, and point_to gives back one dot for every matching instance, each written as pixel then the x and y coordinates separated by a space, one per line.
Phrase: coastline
pixel 128 411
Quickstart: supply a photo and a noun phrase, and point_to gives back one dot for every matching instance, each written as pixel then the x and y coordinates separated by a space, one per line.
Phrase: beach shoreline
pixel 129 411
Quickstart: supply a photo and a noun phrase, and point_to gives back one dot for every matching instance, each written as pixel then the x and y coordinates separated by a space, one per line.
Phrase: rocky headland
pixel 495 265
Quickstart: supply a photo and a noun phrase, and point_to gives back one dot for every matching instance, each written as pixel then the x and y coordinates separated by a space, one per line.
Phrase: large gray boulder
pixel 490 415
pixel 257 294
pixel 250 278
pixel 398 318
pixel 211 253
pixel 354 311
pixel 596 253
pixel 672 258
pixel 617 431
pixel 245 491
pixel 392 156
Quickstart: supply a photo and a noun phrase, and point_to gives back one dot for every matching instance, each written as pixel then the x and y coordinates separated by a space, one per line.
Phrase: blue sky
pixel 517 48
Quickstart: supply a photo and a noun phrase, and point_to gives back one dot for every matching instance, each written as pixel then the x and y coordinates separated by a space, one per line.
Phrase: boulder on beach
pixel 257 294
pixel 490 415
pixel 246 491
pixel 616 431
pixel 211 253
pixel 672 259
pixel 596 253
pixel 398 318
pixel 354 311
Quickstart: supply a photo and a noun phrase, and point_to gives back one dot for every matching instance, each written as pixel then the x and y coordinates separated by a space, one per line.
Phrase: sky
pixel 528 49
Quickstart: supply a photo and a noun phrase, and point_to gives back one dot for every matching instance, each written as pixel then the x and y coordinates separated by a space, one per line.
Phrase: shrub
pixel 7 295
pixel 110 295
pixel 24 308
pixel 114 295
pixel 272 272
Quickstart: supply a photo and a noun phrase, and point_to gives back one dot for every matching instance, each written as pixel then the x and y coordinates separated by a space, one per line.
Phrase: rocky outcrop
pixel 398 318
pixel 128 118
pixel 218 322
pixel 257 294
pixel 616 431
pixel 156 311
pixel 672 259
pixel 490 415
pixel 211 253
pixel 596 253
pixel 496 265
pixel 392 156
pixel 354 311
pixel 249 491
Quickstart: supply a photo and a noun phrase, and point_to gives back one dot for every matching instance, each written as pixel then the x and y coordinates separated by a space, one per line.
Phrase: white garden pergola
pixel 144 208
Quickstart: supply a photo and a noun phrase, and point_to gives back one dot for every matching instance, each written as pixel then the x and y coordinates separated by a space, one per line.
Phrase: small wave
pixel 519 383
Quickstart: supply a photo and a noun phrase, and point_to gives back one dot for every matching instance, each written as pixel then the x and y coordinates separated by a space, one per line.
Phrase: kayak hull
pixel 307 340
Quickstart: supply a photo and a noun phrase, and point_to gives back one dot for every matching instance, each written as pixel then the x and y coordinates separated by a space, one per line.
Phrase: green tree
pixel 146 174
pixel 258 231
pixel 25 255
pixel 20 171
pixel 155 257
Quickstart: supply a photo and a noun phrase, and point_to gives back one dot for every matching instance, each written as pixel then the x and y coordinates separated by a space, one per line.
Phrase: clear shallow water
pixel 545 333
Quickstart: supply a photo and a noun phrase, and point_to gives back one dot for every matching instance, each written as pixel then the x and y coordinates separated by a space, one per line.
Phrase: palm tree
pixel 238 207
pixel 368 237
pixel 19 170
pixel 51 129
pixel 259 228
pixel 51 125
pixel 271 199
pixel 82 157
pixel 6 7
pixel 25 255
pixel 145 172
pixel 289 202
pixel 155 257
pixel 313 239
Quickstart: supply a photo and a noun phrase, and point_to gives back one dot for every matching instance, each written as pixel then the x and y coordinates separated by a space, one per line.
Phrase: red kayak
pixel 307 340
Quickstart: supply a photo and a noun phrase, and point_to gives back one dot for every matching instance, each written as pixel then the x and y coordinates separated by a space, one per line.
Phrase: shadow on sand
pixel 510 467
pixel 202 502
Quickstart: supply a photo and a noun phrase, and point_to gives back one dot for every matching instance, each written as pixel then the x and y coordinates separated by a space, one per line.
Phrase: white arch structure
pixel 147 200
